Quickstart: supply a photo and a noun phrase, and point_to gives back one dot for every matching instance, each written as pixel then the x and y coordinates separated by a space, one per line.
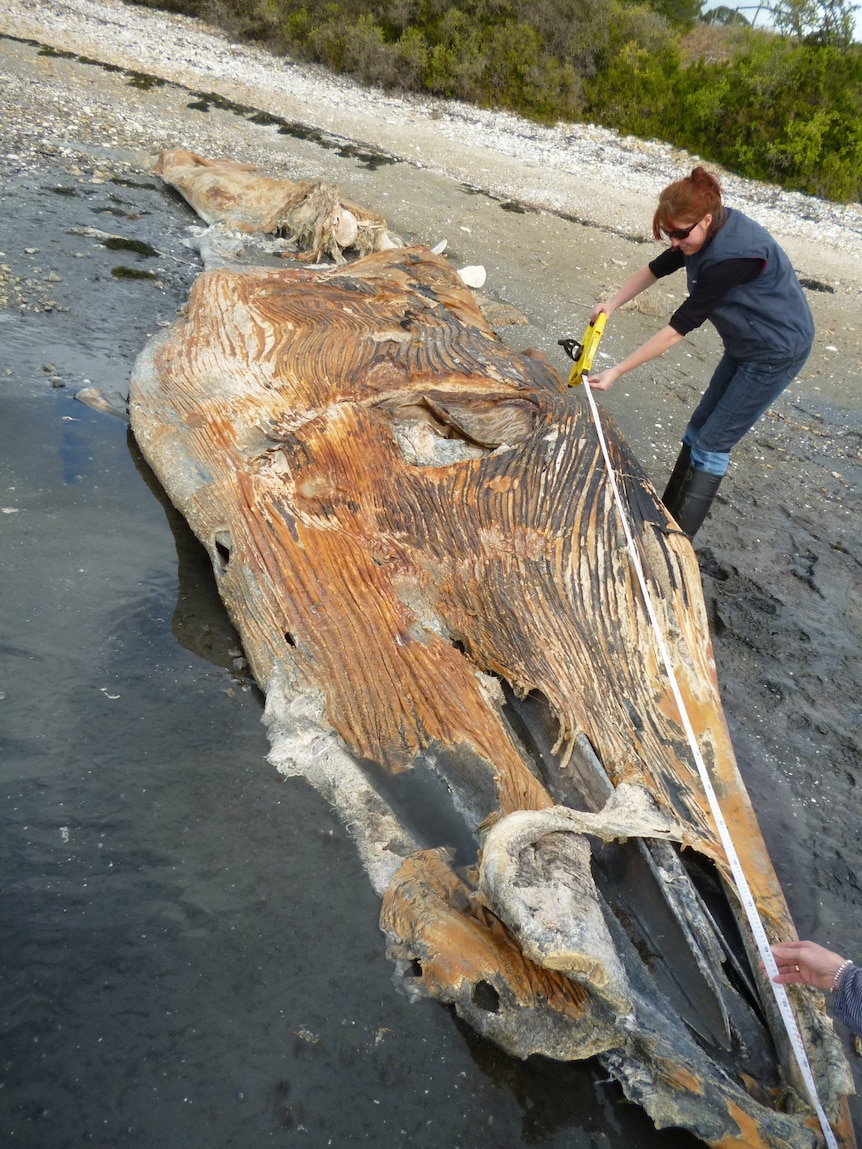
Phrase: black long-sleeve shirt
pixel 712 286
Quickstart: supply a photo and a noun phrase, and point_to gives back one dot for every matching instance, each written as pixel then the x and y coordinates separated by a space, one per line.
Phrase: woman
pixel 742 281
pixel 811 964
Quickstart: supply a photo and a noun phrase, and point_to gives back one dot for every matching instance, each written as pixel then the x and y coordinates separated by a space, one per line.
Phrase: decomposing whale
pixel 412 528
pixel 310 213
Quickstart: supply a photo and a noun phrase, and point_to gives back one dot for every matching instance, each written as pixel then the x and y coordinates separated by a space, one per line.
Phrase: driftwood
pixel 312 214
pixel 412 529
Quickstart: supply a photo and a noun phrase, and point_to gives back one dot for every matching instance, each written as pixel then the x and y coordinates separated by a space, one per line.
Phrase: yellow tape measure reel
pixel 585 352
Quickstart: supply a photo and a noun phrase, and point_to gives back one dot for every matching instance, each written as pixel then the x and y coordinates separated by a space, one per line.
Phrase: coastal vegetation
pixel 782 104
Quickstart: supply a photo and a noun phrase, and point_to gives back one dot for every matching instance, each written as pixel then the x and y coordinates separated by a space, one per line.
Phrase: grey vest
pixel 767 319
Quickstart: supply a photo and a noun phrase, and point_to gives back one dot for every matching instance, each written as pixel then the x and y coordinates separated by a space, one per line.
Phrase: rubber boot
pixel 677 475
pixel 693 499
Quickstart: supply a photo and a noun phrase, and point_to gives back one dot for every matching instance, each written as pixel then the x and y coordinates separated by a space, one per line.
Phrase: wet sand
pixel 122 680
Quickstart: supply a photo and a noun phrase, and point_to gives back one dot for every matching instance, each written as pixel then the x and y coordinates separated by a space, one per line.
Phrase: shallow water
pixel 190 948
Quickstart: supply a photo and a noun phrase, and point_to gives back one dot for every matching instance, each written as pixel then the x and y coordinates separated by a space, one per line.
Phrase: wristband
pixel 838 974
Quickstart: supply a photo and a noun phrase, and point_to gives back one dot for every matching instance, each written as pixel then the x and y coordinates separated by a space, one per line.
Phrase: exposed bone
pixel 535 875
pixel 446 944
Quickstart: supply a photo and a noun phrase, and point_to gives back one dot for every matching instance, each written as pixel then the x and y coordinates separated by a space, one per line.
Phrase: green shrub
pixel 783 111
pixel 758 104
pixel 411 54
pixel 634 90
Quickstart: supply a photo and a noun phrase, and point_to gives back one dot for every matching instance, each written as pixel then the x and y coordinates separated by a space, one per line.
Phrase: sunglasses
pixel 679 232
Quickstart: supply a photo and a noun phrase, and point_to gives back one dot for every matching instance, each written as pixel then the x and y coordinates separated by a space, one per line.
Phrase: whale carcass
pixel 412 528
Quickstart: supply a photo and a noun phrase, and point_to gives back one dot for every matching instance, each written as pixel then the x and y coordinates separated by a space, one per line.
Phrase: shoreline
pixel 583 172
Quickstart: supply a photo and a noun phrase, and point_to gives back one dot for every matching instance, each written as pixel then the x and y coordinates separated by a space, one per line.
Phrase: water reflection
pixel 199 621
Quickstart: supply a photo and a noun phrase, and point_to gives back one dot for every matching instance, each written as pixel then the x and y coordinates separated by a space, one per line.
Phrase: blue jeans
pixel 736 397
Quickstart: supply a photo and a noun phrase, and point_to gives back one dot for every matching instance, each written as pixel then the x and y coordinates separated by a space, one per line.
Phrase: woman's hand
pixel 656 345
pixel 597 310
pixel 806 963
pixel 604 379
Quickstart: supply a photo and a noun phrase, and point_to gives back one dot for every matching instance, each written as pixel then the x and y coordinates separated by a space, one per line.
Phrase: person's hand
pixel 603 380
pixel 806 963
pixel 597 310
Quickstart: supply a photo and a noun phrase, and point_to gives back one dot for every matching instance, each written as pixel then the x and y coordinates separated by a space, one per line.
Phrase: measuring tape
pixel 743 888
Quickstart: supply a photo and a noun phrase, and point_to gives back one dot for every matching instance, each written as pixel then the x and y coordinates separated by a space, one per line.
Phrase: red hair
pixel 688 201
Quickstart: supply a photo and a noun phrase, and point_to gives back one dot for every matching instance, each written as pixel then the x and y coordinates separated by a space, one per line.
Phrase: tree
pixel 816 21
pixel 679 13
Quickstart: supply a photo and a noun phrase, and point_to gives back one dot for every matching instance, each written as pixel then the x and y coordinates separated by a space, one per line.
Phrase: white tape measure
pixel 743 888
